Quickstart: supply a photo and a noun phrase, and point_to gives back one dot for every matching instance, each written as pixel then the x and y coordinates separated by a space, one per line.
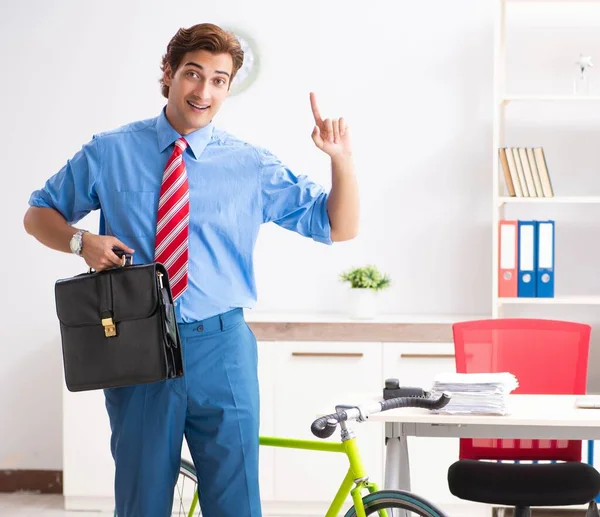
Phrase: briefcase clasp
pixel 110 329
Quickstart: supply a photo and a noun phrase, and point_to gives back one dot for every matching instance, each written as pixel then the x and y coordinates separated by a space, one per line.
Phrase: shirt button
pixel 200 328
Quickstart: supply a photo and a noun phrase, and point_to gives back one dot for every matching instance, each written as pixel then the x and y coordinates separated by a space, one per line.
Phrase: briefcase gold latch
pixel 110 329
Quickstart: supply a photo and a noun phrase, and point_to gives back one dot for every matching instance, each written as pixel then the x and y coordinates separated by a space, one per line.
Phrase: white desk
pixel 531 416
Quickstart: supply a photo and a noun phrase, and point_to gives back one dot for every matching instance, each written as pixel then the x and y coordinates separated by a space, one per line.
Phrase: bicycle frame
pixel 356 474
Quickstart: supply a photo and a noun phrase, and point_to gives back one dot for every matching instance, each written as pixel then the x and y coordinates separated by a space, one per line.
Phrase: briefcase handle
pixel 127 258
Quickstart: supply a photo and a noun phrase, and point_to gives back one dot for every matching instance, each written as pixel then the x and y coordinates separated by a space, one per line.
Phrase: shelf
pixel 556 199
pixel 550 98
pixel 570 3
pixel 558 300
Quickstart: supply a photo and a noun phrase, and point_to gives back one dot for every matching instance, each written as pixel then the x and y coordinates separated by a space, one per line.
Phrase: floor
pixel 35 505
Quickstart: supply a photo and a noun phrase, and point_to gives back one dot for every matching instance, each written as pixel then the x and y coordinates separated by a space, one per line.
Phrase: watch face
pixel 74 244
pixel 247 74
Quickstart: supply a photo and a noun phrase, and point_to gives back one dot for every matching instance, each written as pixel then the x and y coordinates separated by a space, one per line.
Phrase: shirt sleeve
pixel 72 190
pixel 293 202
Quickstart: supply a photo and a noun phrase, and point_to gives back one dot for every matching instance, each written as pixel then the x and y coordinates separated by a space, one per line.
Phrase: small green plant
pixel 367 277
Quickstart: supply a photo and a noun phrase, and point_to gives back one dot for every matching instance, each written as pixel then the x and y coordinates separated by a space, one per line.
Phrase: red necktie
pixel 171 248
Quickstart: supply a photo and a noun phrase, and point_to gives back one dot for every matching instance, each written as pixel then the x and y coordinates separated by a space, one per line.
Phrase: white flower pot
pixel 363 303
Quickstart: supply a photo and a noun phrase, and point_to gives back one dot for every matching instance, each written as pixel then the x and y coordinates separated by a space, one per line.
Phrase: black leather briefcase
pixel 118 327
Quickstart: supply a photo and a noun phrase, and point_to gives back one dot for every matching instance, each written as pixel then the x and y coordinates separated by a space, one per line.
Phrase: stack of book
pixel 525 172
pixel 476 393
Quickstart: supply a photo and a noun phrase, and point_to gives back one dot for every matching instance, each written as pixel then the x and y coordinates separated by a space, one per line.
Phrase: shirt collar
pixel 197 140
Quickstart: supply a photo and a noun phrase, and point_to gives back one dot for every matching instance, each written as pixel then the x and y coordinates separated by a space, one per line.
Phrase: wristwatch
pixel 76 243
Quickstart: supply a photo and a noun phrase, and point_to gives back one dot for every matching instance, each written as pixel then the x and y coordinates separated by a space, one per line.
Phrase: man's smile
pixel 198 107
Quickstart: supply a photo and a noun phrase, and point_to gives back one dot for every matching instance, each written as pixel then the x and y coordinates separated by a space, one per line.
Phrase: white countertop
pixel 297 317
pixel 530 410
pixel 548 411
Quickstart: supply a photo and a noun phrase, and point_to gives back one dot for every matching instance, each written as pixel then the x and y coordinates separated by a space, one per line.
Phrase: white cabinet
pixel 88 468
pixel 266 366
pixel 417 364
pixel 298 381
pixel 309 376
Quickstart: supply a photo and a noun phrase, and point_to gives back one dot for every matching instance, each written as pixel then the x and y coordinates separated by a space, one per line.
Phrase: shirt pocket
pixel 131 214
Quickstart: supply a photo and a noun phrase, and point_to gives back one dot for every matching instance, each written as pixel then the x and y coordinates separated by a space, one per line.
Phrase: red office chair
pixel 547 357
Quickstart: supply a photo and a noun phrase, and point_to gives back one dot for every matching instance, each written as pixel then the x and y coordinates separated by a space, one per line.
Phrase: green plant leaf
pixel 366 277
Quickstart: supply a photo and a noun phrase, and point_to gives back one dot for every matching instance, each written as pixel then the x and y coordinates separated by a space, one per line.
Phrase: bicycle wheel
pixel 185 501
pixel 391 500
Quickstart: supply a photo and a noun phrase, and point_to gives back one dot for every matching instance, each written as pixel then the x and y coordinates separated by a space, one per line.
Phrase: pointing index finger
pixel 315 109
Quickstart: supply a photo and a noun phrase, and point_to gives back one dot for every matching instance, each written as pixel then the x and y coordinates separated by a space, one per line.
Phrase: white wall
pixel 414 80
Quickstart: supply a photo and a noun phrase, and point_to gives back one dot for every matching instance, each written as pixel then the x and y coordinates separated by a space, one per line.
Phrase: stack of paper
pixel 476 393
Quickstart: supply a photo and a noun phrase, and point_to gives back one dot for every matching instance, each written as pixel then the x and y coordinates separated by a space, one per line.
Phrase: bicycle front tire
pixel 399 500
pixel 183 498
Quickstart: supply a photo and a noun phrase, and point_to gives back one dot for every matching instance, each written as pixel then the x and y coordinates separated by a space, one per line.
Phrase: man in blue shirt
pixel 231 188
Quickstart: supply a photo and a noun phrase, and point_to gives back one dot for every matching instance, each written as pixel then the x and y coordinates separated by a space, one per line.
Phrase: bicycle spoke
pixel 181 508
pixel 185 490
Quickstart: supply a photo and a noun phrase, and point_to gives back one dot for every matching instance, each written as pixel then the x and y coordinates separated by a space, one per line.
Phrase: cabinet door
pixel 88 468
pixel 86 442
pixel 417 364
pixel 266 370
pixel 310 379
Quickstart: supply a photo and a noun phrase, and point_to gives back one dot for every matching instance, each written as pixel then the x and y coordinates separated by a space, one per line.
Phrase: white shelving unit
pixel 548 98
pixel 554 2
pixel 557 300
pixel 501 100
pixel 501 200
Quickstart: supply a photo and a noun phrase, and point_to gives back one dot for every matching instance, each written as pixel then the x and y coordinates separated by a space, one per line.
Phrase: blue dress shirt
pixel 234 188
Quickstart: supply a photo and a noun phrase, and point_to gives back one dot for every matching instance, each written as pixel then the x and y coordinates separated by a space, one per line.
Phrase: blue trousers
pixel 215 405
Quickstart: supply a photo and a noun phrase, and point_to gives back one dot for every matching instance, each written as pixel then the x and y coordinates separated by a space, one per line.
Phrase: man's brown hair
pixel 203 36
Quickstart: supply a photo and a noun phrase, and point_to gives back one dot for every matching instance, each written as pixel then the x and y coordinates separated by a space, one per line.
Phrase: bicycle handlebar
pixel 324 426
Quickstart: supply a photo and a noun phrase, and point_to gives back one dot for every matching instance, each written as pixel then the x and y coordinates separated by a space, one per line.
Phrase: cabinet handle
pixel 426 356
pixel 327 354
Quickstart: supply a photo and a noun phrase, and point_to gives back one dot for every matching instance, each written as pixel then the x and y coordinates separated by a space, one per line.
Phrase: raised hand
pixel 332 136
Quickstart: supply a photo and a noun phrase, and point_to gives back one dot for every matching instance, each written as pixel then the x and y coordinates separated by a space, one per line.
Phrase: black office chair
pixel 547 357
pixel 523 486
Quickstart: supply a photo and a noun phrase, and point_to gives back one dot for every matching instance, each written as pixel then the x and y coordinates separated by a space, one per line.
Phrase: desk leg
pixel 397 468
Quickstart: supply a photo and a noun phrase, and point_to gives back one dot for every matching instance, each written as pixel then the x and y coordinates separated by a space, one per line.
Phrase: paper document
pixel 476 393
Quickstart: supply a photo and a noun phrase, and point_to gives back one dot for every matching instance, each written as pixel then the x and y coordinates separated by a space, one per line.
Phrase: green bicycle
pixel 356 481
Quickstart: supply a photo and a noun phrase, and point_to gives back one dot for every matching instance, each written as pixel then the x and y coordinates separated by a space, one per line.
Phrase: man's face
pixel 197 89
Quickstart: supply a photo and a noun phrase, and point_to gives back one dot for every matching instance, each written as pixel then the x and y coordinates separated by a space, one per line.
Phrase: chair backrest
pixel 546 357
